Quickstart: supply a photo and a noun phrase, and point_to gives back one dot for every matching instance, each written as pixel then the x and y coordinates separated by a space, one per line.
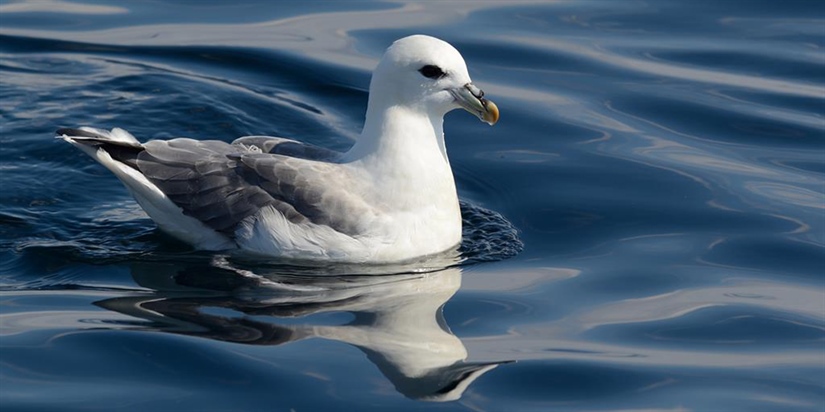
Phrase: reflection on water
pixel 397 319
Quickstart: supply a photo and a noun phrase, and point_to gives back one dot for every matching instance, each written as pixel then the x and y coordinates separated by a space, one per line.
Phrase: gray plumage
pixel 221 184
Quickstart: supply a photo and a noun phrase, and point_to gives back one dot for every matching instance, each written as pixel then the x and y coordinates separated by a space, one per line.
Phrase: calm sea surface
pixel 644 228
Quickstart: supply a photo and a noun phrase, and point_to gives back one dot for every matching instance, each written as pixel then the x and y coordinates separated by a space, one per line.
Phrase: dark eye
pixel 432 72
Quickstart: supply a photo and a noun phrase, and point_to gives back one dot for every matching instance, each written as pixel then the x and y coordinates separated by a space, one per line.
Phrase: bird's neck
pixel 401 143
pixel 401 155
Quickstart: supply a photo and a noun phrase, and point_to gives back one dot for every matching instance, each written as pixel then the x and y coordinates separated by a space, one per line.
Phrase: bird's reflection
pixel 398 321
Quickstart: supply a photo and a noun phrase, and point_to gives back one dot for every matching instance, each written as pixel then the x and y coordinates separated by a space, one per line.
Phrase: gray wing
pixel 222 184
pixel 317 191
pixel 288 147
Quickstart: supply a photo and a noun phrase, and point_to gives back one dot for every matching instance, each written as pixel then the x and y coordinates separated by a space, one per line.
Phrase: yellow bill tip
pixel 491 112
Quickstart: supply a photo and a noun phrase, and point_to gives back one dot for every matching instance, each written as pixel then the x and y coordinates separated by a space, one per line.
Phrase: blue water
pixel 645 226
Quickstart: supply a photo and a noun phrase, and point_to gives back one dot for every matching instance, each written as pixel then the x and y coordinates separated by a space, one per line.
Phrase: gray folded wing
pixel 288 147
pixel 221 184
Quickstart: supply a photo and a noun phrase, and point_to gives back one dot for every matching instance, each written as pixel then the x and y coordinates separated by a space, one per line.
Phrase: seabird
pixel 390 198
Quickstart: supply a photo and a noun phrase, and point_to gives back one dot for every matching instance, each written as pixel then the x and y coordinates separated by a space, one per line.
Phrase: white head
pixel 427 75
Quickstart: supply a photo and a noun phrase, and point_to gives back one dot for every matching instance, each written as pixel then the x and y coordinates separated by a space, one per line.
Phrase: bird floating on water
pixel 390 198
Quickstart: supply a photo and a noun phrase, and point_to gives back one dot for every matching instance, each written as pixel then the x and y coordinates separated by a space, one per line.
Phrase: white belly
pixel 391 238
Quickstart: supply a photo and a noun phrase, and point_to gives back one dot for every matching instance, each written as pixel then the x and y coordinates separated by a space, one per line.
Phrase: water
pixel 662 162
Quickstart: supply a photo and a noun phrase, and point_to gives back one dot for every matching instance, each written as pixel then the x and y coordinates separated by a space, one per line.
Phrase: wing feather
pixel 289 147
pixel 222 184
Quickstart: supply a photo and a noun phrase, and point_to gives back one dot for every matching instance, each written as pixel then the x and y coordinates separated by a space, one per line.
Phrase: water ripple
pixel 643 228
